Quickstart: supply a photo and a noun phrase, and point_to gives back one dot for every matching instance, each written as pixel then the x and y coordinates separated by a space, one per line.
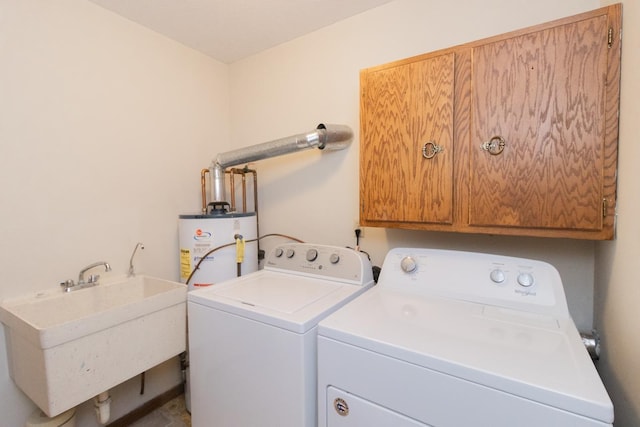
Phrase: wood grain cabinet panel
pixel 543 92
pixel 527 125
pixel 407 121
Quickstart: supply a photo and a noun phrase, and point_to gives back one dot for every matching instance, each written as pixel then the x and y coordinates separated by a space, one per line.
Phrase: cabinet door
pixel 544 93
pixel 405 108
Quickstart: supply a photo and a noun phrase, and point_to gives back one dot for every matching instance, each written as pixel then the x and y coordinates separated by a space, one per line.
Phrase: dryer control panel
pixel 497 280
pixel 320 261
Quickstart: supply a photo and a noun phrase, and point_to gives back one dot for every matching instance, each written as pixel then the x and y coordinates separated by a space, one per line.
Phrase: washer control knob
pixel 279 252
pixel 525 279
pixel 334 258
pixel 312 255
pixel 290 253
pixel 497 276
pixel 408 264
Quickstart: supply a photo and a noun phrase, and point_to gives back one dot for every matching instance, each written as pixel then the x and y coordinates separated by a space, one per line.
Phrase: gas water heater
pixel 200 234
pixel 225 238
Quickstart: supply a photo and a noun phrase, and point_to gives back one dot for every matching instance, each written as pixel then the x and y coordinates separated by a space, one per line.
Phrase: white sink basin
pixel 65 348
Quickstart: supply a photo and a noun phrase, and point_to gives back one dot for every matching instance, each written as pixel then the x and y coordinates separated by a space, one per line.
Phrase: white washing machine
pixel 456 339
pixel 252 340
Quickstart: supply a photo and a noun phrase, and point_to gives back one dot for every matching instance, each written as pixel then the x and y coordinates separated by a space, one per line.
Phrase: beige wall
pixel 104 127
pixel 617 303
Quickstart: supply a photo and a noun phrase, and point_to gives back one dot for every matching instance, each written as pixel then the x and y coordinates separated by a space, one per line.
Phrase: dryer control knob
pixel 408 264
pixel 279 252
pixel 312 254
pixel 525 279
pixel 290 253
pixel 334 258
pixel 497 276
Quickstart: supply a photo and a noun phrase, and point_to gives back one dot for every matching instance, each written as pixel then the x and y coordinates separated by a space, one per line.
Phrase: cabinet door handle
pixel 430 149
pixel 494 146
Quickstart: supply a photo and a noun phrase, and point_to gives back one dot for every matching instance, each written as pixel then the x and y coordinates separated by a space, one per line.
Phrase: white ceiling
pixel 229 30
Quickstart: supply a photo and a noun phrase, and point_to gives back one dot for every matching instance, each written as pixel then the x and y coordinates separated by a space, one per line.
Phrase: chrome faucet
pixel 131 269
pixel 69 285
pixel 93 279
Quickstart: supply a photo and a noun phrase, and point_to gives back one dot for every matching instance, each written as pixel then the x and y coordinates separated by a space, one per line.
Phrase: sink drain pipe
pixel 102 403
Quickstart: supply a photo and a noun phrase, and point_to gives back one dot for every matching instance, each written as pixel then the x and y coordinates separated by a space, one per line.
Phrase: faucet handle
pixel 93 278
pixel 67 285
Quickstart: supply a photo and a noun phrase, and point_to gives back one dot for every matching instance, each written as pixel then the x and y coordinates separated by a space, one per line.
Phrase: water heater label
pixel 185 263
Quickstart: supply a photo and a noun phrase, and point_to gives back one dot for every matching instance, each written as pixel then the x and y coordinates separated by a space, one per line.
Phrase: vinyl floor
pixel 171 414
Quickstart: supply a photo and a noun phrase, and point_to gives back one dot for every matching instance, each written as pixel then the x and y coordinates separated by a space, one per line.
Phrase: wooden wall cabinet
pixel 516 134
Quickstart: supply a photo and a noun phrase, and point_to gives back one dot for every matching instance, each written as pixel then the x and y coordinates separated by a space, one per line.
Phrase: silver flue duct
pixel 324 137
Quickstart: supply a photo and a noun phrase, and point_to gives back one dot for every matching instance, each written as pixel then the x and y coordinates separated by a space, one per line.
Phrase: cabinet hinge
pixel 604 208
pixel 610 38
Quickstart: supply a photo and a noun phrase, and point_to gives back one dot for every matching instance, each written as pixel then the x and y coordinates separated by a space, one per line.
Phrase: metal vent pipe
pixel 324 137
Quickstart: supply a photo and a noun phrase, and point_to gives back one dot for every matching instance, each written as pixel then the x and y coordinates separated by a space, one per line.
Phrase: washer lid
pixel 533 356
pixel 286 295
pixel 288 301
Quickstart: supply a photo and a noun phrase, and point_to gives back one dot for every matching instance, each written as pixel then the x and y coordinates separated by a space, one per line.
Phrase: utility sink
pixel 65 348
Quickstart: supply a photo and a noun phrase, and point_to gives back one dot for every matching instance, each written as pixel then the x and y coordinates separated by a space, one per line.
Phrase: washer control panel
pixel 321 261
pixel 498 280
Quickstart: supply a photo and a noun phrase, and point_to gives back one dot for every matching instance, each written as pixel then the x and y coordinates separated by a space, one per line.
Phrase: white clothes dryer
pixel 252 340
pixel 455 339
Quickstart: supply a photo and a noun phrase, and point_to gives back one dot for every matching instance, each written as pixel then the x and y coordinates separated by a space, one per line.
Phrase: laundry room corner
pixel 114 134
